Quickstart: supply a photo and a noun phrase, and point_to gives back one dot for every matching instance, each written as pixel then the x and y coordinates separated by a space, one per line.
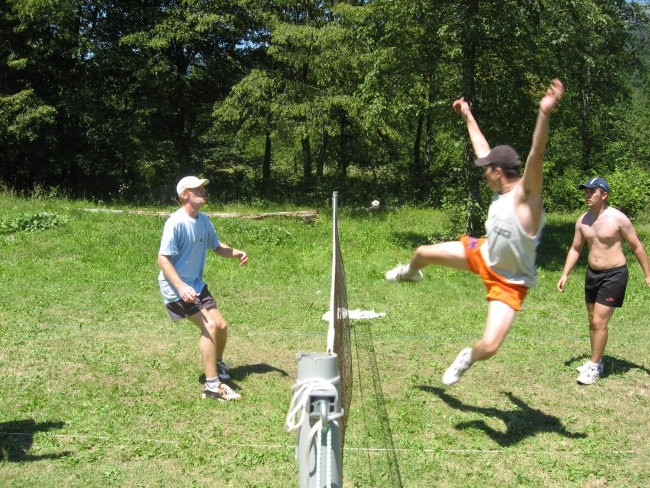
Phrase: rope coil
pixel 299 412
pixel 302 392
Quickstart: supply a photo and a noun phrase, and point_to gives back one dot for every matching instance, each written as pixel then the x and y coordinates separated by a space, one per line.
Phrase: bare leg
pixel 450 254
pixel 599 316
pixel 214 334
pixel 500 318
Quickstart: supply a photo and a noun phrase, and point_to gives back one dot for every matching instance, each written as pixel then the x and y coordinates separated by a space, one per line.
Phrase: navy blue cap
pixel 595 183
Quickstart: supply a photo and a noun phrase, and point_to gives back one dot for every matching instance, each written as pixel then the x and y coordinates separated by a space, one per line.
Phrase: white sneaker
pixel 461 364
pixel 401 272
pixel 589 376
pixel 223 393
pixel 583 368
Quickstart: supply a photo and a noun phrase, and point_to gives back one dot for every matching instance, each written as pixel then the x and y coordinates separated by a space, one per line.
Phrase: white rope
pixel 302 391
pixel 329 457
pixel 319 448
pixel 299 412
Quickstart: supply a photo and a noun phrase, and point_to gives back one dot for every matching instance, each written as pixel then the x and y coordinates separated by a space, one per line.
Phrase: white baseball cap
pixel 190 182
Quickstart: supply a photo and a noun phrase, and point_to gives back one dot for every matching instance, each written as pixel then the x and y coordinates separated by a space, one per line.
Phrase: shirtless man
pixel 604 228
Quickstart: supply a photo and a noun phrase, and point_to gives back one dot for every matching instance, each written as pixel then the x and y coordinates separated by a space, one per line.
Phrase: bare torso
pixel 603 235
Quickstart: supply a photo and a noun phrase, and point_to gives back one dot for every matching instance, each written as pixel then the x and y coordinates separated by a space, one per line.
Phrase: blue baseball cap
pixel 595 183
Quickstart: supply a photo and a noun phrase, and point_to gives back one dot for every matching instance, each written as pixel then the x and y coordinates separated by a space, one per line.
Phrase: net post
pixel 331 330
pixel 318 441
pixel 321 395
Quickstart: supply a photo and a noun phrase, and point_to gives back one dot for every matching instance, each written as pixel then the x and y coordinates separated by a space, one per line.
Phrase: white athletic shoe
pixel 601 367
pixel 401 272
pixel 461 364
pixel 590 375
pixel 223 393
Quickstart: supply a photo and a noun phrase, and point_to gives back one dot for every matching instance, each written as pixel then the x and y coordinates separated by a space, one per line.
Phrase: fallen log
pixel 306 215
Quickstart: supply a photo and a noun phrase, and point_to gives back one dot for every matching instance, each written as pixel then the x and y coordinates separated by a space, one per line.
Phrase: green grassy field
pixel 99 388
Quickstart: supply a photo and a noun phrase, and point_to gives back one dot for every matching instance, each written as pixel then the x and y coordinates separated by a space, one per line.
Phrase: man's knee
pixel 423 251
pixel 490 348
pixel 216 325
pixel 487 348
pixel 600 318
pixel 598 323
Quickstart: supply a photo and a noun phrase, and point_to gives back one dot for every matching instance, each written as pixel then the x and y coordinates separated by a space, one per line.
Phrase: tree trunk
pixel 344 145
pixel 415 166
pixel 306 159
pixel 320 162
pixel 585 131
pixel 472 176
pixel 425 169
pixel 426 160
pixel 266 164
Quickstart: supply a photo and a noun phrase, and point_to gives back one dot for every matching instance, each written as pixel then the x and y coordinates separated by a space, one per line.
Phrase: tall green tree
pixel 312 62
pixel 406 84
pixel 593 45
pixel 251 109
pixel 192 52
pixel 41 49
pixel 132 83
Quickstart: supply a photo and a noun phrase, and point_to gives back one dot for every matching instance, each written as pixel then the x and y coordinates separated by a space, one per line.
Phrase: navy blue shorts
pixel 181 309
pixel 606 286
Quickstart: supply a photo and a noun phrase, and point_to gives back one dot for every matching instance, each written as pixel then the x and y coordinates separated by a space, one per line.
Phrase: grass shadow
pixel 613 365
pixel 410 240
pixel 241 372
pixel 17 438
pixel 520 423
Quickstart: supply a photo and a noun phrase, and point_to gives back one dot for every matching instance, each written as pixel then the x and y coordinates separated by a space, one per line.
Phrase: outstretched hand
pixel 552 96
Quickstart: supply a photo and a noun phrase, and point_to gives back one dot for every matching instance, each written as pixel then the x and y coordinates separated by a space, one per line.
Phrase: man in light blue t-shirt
pixel 187 236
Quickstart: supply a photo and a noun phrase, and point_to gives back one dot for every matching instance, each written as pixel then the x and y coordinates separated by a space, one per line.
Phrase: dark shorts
pixel 607 286
pixel 180 309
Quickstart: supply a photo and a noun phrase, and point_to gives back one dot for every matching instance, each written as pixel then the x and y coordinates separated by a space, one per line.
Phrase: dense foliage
pixel 286 100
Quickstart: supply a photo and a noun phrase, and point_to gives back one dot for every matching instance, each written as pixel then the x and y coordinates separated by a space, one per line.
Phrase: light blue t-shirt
pixel 186 241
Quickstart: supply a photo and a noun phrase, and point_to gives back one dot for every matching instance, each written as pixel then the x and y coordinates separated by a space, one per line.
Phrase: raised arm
pixel 533 172
pixel 479 143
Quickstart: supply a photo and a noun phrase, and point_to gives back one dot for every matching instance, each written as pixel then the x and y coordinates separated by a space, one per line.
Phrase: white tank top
pixel 508 250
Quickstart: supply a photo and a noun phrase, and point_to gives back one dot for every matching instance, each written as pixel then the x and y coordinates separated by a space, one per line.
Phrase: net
pixel 338 337
pixel 383 466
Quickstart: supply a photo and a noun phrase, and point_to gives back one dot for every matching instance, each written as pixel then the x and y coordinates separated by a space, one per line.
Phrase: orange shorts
pixel 497 287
